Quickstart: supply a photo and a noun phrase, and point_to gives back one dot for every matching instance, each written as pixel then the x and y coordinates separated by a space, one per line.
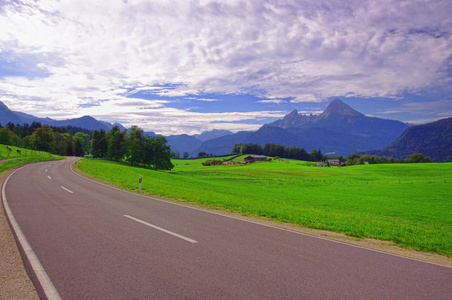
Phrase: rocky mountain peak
pixel 337 107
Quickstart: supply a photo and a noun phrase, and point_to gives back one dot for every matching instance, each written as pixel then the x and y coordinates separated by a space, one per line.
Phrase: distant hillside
pixel 433 140
pixel 213 134
pixel 339 129
pixel 86 122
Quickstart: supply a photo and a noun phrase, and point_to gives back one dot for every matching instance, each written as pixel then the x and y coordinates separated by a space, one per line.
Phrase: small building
pixel 254 158
pixel 334 162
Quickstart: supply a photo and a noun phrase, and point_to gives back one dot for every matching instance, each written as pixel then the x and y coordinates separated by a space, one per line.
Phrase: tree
pixel 43 139
pixel 99 144
pixel 85 142
pixel 61 143
pixel 79 149
pixel 185 154
pixel 70 150
pixel 116 144
pixel 157 154
pixel 316 155
pixel 135 145
pixel 247 148
pixel 418 158
pixel 162 154
pixel 297 153
pixel 5 136
pixel 202 154
pixel 271 149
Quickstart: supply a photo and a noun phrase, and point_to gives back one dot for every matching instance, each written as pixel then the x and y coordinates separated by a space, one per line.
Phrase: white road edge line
pixel 43 278
pixel 161 229
pixel 69 191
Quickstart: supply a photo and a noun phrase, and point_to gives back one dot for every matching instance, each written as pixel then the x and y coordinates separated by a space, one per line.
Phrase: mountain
pixel 7 115
pixel 433 140
pixel 222 145
pixel 183 143
pixel 213 134
pixel 86 122
pixel 339 130
pixel 294 119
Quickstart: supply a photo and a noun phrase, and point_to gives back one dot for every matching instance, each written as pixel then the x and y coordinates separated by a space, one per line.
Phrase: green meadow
pixel 408 204
pixel 15 159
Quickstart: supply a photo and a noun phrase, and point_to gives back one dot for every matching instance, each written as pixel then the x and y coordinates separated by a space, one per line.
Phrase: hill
pixel 433 140
pixel 339 130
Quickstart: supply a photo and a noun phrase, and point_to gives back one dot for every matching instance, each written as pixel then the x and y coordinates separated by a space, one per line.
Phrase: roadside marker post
pixel 140 183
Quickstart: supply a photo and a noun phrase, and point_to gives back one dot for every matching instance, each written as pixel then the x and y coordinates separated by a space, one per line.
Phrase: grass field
pixel 409 204
pixel 27 156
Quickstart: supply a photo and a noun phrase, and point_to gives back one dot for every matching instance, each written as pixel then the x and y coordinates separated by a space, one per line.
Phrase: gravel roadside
pixel 14 281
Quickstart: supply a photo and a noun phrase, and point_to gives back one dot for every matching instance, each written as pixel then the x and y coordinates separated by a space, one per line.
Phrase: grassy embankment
pixel 409 204
pixel 27 156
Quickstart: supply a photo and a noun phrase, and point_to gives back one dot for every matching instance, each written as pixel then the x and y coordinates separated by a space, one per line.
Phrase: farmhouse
pixel 250 159
pixel 333 162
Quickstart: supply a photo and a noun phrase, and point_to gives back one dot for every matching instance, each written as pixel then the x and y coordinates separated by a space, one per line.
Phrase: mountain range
pixel 86 122
pixel 339 130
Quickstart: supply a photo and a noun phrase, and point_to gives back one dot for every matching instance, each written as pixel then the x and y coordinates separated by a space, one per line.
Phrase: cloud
pixel 204 99
pixel 307 51
pixel 444 107
pixel 274 101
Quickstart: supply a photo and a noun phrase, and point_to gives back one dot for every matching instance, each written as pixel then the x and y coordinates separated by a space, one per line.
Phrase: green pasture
pixel 409 204
pixel 13 159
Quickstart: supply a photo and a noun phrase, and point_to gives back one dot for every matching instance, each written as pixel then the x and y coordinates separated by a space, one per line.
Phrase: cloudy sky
pixel 176 67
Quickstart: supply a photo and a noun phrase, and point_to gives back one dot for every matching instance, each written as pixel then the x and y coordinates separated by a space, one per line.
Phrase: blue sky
pixel 190 66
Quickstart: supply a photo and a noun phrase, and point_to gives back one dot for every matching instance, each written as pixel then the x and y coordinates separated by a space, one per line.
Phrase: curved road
pixel 97 242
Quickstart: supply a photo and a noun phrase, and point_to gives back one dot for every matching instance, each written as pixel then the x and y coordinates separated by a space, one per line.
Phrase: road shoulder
pixel 15 283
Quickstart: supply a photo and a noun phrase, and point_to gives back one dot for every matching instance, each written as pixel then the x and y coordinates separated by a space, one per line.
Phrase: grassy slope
pixel 27 156
pixel 362 201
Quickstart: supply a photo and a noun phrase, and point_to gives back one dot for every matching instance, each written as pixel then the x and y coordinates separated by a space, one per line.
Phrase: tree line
pixel 271 149
pixel 56 140
pixel 357 159
pixel 278 150
pixel 133 147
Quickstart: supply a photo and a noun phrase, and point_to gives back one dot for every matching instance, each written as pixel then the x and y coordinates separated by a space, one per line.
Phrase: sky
pixel 184 67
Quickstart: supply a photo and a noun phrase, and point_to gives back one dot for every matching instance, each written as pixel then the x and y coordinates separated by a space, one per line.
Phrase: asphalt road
pixel 97 242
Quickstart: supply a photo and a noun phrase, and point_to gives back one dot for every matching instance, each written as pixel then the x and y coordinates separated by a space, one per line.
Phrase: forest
pixel 132 146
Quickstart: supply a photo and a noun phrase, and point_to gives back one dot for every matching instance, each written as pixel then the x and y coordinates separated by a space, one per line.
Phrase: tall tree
pixel 61 142
pixel 162 154
pixel 99 146
pixel 116 144
pixel 43 139
pixel 79 149
pixel 135 145
pixel 85 142
pixel 70 150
